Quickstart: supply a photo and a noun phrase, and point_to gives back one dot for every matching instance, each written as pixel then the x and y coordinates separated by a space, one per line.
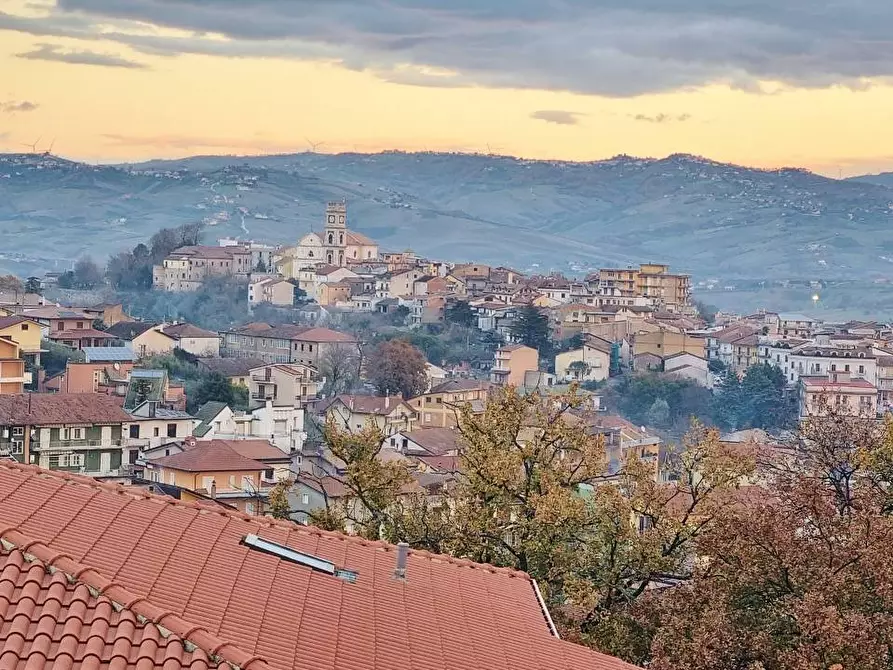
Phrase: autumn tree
pixel 395 366
pixel 278 505
pixel 796 574
pixel 86 273
pixel 339 367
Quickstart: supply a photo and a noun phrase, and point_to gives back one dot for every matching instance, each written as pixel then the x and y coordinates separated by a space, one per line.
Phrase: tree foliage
pixel 132 270
pixel 395 366
pixel 216 387
pixel 534 495
pixel 461 314
pixel 636 394
pixel 796 575
pixel 759 400
pixel 531 328
pixel 278 505
pixel 339 366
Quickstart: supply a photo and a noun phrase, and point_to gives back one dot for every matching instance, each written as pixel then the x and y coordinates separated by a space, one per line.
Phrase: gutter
pixel 546 615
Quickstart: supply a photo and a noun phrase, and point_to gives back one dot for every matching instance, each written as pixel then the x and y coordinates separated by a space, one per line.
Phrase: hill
pixel 711 219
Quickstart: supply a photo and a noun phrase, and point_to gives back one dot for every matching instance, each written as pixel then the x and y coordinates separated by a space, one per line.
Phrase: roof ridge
pixel 264 521
pixel 167 622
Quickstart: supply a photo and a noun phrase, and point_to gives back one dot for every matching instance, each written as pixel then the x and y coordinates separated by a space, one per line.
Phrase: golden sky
pixel 189 104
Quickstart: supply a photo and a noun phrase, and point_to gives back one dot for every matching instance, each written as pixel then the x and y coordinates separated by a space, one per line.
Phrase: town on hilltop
pixel 375 436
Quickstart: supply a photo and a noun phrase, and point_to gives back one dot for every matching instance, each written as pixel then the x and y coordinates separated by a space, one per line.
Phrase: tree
pixel 399 316
pixel 706 312
pixel 339 367
pixel 278 506
pixel 659 413
pixel 461 314
pixel 11 283
pixel 33 285
pixel 86 273
pixel 216 387
pixel 261 266
pixel 395 366
pixel 759 400
pixel 54 357
pixel 796 575
pixel 531 328
pixel 533 495
pixel 142 389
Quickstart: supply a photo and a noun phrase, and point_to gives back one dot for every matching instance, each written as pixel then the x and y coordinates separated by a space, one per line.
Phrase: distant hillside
pixel 713 220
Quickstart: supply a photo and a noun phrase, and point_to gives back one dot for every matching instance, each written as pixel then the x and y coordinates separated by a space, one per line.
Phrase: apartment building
pixel 511 364
pixel 13 377
pixel 81 433
pixel 665 343
pixel 283 384
pixel 25 332
pixel 440 407
pixel 389 414
pixel 286 344
pixel 271 290
pixel 838 393
pixel 653 281
pixel 187 267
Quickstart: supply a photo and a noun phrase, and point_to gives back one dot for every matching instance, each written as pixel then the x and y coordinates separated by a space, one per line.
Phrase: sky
pixel 766 83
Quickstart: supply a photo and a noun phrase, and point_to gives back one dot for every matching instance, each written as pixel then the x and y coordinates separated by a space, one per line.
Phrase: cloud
pixel 607 47
pixel 661 118
pixel 559 116
pixel 51 52
pixel 13 106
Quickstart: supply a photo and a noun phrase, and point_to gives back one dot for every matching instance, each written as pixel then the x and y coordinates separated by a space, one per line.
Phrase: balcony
pixel 74 445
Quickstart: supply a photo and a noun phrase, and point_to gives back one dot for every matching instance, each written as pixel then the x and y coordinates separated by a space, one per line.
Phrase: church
pixel 335 245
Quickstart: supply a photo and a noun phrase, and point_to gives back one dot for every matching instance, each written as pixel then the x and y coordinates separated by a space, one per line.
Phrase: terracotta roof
pixel 359 239
pixel 7 321
pixel 51 312
pixel 81 334
pixel 323 335
pixel 128 330
pixel 824 382
pixel 211 456
pixel 52 620
pixel 367 404
pixel 231 367
pixel 205 251
pixel 257 450
pixel 44 409
pixel 182 330
pixel 187 567
pixel 454 385
pixel 293 332
pixel 436 441
pixel 441 463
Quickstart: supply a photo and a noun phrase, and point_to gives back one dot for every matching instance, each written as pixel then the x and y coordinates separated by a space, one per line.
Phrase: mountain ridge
pixel 712 219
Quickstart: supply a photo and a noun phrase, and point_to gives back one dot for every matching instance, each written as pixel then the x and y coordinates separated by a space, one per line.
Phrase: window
pixel 268 474
pixel 135 431
pixel 172 430
pixel 80 325
pixel 305 498
pixel 133 455
pixel 232 481
pixel 171 477
pixel 207 482
pixel 24 326
pixel 249 508
pixel 17 447
pixel 846 368
pixel 76 460
pixel 155 432
pixel 18 431
pixel 861 369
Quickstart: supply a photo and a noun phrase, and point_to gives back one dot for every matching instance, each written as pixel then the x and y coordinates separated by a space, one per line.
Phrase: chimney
pixel 153 408
pixel 213 490
pixel 402 553
pixel 190 442
pixel 387 402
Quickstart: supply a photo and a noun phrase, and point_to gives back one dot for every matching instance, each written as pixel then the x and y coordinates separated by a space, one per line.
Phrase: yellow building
pixel 590 363
pixel 671 292
pixel 440 407
pixel 215 470
pixel 665 343
pixel 511 363
pixel 12 368
pixel 26 333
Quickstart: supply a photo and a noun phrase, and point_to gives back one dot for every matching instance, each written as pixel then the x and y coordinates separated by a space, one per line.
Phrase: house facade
pixel 511 363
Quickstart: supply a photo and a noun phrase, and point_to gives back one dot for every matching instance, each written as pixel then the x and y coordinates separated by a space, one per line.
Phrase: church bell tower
pixel 335 235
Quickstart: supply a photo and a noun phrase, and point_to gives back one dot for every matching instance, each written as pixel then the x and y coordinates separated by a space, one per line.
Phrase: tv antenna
pixel 313 145
pixel 33 147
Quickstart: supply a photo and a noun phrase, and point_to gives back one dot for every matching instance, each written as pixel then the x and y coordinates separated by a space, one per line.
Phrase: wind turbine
pixel 490 151
pixel 314 145
pixel 49 152
pixel 34 146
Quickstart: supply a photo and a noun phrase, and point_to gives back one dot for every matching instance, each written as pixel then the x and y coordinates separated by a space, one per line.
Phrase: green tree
pixel 216 387
pixel 658 414
pixel 261 266
pixel 56 356
pixel 33 285
pixel 531 328
pixel 461 314
pixel 399 316
pixel 395 366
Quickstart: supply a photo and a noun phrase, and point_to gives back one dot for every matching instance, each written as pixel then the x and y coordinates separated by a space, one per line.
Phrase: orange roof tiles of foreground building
pixel 153 565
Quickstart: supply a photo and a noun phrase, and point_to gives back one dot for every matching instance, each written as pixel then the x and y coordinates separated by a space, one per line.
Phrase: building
pixel 817 360
pixel 186 268
pixel 109 355
pixel 110 378
pixel 689 366
pixel 271 290
pixel 142 580
pixel 282 425
pixel 652 281
pixel 192 339
pixel 795 326
pixel 287 344
pixel 885 382
pixel 58 319
pixel 82 338
pixel 389 414
pixel 108 313
pixel 13 377
pixel 215 469
pixel 837 393
pixel 236 370
pixel 81 433
pixel 283 384
pixel 590 363
pixel 665 343
pixel 146 339
pixel 441 405
pixel 511 363
pixel 25 332
pixel 336 245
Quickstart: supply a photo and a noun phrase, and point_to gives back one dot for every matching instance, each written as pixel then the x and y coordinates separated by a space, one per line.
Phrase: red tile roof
pixel 181 330
pixel 211 456
pixel 258 450
pixel 367 404
pixel 81 334
pixel 52 620
pixel 45 409
pixel 185 566
pixel 436 441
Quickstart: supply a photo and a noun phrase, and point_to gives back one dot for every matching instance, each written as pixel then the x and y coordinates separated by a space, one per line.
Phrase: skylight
pixel 294 556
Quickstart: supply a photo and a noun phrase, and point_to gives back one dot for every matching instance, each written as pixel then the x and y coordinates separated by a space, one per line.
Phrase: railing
pixel 75 445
